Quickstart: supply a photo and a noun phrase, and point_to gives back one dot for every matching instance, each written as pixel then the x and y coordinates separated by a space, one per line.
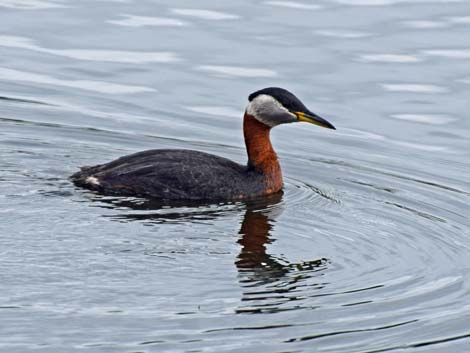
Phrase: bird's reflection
pixel 270 283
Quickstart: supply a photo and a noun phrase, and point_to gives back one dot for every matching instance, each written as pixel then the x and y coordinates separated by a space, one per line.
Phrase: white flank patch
pixel 92 180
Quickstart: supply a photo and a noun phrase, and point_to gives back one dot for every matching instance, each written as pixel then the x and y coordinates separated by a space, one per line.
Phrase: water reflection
pixel 270 283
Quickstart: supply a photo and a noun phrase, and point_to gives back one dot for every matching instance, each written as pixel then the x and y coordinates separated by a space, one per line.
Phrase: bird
pixel 188 175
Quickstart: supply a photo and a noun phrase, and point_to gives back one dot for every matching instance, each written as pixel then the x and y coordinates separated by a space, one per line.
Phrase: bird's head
pixel 274 106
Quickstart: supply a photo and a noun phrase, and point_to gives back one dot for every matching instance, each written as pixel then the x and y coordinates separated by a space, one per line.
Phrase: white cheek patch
pixel 92 180
pixel 265 108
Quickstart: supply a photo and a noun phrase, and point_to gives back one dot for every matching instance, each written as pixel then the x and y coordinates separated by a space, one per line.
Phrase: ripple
pixel 343 33
pixel 298 192
pixel 433 119
pixel 433 24
pixel 372 136
pixel 336 333
pixel 425 24
pixel 30 4
pixel 368 2
pixel 204 14
pixel 294 5
pixel 460 20
pixel 141 21
pixel 67 107
pixel 366 135
pixel 215 110
pixel 429 287
pixel 417 212
pixel 420 344
pixel 388 2
pixel 236 71
pixel 96 86
pixel 117 55
pixel 416 88
pixel 390 58
pixel 450 53
pixel 361 134
pixel 392 175
pixel 17 42
pixel 420 146
pixel 91 54
pixel 465 80
pixel 23 100
pixel 129 212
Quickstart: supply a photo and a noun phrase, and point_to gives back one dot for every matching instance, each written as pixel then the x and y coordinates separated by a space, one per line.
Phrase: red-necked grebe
pixel 191 175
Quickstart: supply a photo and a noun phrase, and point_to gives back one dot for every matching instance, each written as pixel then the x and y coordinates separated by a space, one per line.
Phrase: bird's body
pixel 172 175
pixel 195 176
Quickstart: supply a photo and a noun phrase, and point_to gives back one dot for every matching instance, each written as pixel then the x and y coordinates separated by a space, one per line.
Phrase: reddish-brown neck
pixel 261 155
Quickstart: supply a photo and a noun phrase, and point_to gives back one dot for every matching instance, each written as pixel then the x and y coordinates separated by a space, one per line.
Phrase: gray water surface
pixel 367 250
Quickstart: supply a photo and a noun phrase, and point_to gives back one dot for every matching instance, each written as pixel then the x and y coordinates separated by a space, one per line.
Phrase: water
pixel 368 248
